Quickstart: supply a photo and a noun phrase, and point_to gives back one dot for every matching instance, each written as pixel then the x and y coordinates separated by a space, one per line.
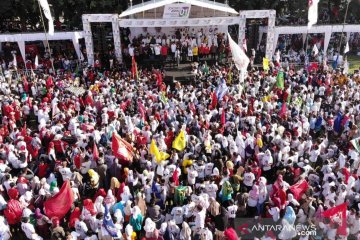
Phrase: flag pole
pixel 46 37
pixel 343 26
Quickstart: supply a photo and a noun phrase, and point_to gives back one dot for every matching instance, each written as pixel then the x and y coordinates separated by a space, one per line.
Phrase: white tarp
pixel 31 37
pixel 175 11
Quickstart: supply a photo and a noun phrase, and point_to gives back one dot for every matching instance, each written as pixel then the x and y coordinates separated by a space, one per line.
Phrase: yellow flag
pixel 180 142
pixel 265 64
pixel 159 156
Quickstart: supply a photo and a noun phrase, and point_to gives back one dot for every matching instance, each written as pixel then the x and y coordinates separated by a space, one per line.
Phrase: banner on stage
pixel 177 11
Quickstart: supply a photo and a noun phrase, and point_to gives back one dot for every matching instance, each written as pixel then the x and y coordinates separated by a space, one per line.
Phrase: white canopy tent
pixel 30 37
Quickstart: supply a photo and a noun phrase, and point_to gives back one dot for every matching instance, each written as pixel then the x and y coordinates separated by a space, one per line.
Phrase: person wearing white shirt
pixel 231 213
pixel 200 215
pixel 249 178
pixel 178 215
pixel 81 229
pixel 29 229
pixel 65 171
pixel 211 189
pixel 191 176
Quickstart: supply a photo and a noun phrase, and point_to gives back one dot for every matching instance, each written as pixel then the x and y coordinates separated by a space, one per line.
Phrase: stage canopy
pixel 199 8
pixel 178 13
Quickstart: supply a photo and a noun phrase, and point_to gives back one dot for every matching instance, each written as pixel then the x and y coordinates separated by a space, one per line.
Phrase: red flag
pixel 141 109
pixel 222 119
pixel 159 79
pixel 49 82
pixel 95 152
pixel 121 149
pixel 282 112
pixel 299 188
pixel 214 100
pixel 26 84
pixel 175 177
pixel 23 130
pixel 338 215
pixel 133 67
pixel 29 103
pixel 60 204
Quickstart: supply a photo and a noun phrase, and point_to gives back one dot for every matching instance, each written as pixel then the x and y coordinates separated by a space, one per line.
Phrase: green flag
pixel 280 80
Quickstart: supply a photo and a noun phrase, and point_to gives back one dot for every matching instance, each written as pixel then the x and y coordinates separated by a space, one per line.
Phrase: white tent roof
pixel 159 3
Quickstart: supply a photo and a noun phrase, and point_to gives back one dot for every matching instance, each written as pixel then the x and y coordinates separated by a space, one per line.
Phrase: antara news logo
pixel 250 228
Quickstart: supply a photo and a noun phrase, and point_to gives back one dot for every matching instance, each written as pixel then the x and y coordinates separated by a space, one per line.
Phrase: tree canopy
pixel 26 13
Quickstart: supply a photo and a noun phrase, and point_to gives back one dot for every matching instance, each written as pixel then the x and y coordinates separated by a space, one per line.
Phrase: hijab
pixel 290 215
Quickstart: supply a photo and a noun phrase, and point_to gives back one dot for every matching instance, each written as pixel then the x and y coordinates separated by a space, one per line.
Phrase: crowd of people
pixel 139 159
pixel 185 45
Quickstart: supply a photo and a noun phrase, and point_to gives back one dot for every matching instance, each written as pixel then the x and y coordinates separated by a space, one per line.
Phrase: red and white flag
pixel 313 12
pixel 338 215
pixel 121 149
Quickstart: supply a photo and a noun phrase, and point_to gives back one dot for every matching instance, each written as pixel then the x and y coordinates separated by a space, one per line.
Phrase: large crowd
pixel 199 158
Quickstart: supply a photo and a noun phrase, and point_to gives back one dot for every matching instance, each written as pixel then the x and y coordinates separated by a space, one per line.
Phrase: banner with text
pixel 181 10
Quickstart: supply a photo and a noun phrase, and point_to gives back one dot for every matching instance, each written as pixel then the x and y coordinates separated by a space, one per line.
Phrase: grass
pixel 354 63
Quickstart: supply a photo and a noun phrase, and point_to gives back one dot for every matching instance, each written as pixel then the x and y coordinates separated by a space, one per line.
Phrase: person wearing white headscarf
pixel 150 229
pixel 263 194
pixel 126 195
pixel 292 200
pixel 109 200
pixel 288 231
pixel 128 210
pixel 136 219
pixel 99 204
pixel 185 233
pixel 129 233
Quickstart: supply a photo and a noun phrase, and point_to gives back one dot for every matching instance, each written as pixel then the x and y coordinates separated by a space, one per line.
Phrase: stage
pixel 181 73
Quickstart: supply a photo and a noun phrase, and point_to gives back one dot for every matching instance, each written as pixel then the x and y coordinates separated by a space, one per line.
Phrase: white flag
pixel 46 9
pixel 14 61
pixel 315 50
pixel 239 57
pixel 277 56
pixel 313 12
pixel 81 56
pixel 346 67
pixel 347 48
pixel 245 44
pixel 36 62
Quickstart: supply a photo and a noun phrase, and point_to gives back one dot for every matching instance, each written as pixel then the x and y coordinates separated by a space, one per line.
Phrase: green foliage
pixel 27 11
